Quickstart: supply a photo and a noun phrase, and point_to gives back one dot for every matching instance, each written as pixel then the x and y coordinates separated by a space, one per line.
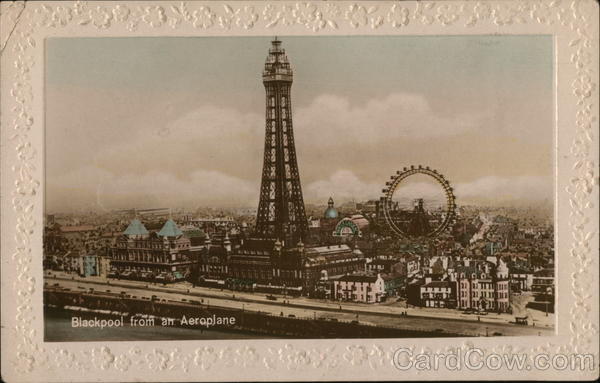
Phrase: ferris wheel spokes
pixel 417 223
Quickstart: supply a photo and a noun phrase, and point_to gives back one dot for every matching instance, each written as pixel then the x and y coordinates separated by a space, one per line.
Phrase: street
pixel 382 315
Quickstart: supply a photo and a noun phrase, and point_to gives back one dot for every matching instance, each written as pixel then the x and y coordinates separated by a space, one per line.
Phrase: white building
pixel 520 279
pixel 360 288
pixel 438 294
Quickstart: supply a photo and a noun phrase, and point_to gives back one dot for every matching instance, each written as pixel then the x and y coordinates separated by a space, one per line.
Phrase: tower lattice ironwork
pixel 281 212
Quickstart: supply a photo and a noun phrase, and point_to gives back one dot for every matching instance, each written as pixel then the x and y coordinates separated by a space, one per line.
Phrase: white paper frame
pixel 25 356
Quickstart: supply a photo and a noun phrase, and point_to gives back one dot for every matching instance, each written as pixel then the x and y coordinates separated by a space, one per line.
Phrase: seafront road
pixel 389 315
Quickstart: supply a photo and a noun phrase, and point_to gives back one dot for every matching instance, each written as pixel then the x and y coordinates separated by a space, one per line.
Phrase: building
pixel 368 207
pixel 394 285
pixel 350 227
pixel 520 279
pixel 543 281
pixel 273 254
pixel 54 240
pixel 213 259
pixel 413 291
pixel 330 212
pixel 213 225
pixel 320 229
pixel 274 257
pixel 88 265
pixel 408 265
pixel 161 256
pixel 441 294
pixel 71 262
pixel 383 265
pixel 103 266
pixel 77 231
pixel 93 264
pixel 325 262
pixel 360 288
pixel 483 286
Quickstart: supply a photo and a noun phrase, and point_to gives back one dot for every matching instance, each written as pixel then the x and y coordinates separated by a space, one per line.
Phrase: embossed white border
pixel 24 26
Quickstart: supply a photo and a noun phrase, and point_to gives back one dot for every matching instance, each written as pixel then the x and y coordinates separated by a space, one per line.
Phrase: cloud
pixel 212 156
pixel 519 190
pixel 206 138
pixel 96 189
pixel 344 185
pixel 331 119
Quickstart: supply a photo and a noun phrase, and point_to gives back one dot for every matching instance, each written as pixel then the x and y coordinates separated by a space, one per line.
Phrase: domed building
pixel 140 254
pixel 331 212
pixel 352 226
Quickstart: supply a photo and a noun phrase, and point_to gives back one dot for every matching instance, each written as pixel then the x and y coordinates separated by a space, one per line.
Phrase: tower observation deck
pixel 281 212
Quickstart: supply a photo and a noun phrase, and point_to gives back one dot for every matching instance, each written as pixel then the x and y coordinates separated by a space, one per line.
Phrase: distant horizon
pixel 541 206
pixel 158 121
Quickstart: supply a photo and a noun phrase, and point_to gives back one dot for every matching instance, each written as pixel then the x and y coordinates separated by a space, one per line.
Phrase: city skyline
pixel 411 247
pixel 153 123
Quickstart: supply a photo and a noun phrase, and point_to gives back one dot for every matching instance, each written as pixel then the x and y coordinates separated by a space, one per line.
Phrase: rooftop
pixel 323 250
pixel 136 228
pixel 74 229
pixel 358 278
pixel 438 284
pixel 170 229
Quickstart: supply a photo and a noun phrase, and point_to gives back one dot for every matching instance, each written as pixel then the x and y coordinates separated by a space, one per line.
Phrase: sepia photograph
pixel 298 187
pixel 234 191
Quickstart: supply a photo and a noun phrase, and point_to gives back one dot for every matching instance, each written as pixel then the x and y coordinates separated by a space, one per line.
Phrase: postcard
pixel 213 191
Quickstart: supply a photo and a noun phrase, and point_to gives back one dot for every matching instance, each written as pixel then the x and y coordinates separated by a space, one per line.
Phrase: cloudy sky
pixel 157 122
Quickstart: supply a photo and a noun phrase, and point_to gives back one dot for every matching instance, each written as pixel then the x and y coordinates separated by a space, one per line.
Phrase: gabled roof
pixel 136 228
pixel 170 229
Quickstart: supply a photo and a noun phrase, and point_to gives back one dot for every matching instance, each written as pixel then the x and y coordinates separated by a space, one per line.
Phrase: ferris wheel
pixel 417 223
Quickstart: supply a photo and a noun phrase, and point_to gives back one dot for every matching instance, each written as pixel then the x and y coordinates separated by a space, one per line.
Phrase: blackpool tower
pixel 280 213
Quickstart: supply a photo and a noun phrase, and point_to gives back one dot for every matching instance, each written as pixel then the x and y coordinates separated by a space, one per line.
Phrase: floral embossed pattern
pixel 22 46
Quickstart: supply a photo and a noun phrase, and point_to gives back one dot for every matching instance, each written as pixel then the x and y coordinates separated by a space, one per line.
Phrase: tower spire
pixel 281 212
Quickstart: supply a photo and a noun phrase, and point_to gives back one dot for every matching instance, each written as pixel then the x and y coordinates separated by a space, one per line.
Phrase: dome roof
pixel 331 212
pixel 136 228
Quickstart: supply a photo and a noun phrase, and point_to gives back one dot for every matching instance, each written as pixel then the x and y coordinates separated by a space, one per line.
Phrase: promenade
pixel 378 314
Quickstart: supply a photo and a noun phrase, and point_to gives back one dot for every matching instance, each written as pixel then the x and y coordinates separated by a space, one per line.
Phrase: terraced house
pixel 483 286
